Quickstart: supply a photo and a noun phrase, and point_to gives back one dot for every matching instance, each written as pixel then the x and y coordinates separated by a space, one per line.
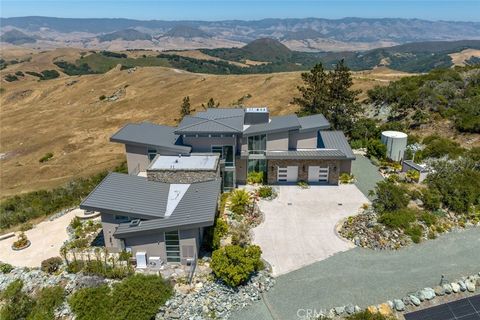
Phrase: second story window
pixel 257 144
pixel 226 153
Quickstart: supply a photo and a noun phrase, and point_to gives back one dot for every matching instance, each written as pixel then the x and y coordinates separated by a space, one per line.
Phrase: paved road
pixel 363 277
pixel 366 174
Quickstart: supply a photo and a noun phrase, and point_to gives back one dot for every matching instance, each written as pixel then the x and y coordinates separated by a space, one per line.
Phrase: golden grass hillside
pixel 65 116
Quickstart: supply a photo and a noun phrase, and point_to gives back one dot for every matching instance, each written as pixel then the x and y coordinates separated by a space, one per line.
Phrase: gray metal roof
pixel 316 121
pixel 197 208
pixel 149 134
pixel 214 120
pixel 276 124
pixel 139 198
pixel 336 140
pixel 415 166
pixel 306 154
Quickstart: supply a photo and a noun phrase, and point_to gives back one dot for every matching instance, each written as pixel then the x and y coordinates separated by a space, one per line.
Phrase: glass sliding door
pixel 257 144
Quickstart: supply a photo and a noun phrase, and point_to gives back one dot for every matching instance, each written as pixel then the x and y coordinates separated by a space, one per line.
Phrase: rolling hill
pixel 309 34
pixel 127 35
pixel 17 37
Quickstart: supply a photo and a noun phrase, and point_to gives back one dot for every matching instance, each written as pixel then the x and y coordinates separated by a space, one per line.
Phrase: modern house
pixel 160 209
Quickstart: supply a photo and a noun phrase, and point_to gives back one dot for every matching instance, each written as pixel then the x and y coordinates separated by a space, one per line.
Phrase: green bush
pixel 11 78
pixel 46 157
pixel 415 232
pixel 75 266
pixel 220 229
pixel 431 199
pixel 5 267
pixel 139 297
pixel 26 226
pixel 75 223
pixel 92 303
pixel 239 200
pixel 99 268
pixel 21 208
pixel 255 177
pixel 265 192
pixel 400 219
pixel 102 97
pixel 429 218
pixel 47 300
pixel 49 74
pixel 375 148
pixel 51 265
pixel 17 304
pixel 367 315
pixel 234 265
pixel 346 178
pixel 437 147
pixel 390 196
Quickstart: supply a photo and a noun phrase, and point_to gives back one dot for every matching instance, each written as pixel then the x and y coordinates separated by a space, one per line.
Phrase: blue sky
pixel 460 10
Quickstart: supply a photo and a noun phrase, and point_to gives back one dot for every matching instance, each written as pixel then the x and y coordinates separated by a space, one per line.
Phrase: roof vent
pixel 134 223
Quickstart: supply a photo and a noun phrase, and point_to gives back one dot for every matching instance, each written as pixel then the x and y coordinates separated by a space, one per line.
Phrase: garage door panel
pixel 318 174
pixel 287 174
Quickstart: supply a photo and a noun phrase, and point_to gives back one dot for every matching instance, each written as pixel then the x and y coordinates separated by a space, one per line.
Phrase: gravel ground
pixel 366 174
pixel 363 277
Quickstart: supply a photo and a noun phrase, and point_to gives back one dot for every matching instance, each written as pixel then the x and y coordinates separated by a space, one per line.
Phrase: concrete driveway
pixel 47 238
pixel 299 226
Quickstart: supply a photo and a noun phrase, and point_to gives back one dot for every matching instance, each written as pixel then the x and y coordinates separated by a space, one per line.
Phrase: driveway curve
pixel 363 277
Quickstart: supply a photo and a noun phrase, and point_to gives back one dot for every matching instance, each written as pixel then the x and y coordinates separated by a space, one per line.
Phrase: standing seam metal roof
pixel 214 120
pixel 336 140
pixel 276 124
pixel 147 133
pixel 316 121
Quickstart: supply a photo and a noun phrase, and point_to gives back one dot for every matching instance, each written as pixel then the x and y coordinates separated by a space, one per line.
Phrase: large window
pixel 257 165
pixel 172 245
pixel 228 180
pixel 226 153
pixel 257 144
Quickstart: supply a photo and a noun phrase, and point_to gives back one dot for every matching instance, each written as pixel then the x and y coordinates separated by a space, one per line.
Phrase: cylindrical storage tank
pixel 396 143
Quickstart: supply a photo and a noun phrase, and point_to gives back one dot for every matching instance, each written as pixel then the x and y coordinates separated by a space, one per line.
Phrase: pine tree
pixel 329 93
pixel 185 108
pixel 211 104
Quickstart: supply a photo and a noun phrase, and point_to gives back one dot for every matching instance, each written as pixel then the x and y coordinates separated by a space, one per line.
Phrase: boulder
pixel 429 293
pixel 349 309
pixel 470 286
pixel 372 309
pixel 339 310
pixel 399 305
pixel 447 288
pixel 462 285
pixel 439 291
pixel 414 300
pixel 455 287
pixel 385 309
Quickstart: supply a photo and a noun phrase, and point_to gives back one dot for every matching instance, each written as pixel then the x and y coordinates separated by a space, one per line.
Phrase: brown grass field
pixel 65 116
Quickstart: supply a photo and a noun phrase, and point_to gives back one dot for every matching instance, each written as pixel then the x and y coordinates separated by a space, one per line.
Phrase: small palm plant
pixel 240 199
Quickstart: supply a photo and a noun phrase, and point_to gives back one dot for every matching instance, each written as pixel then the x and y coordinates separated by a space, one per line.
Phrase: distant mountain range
pixel 309 34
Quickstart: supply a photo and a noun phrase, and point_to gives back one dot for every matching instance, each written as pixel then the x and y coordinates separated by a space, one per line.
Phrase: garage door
pixel 287 174
pixel 317 174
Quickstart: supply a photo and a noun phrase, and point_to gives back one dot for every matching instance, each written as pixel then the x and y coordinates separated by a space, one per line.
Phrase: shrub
pixel 17 304
pixel 389 197
pixel 102 97
pixel 220 229
pixel 49 74
pixel 239 200
pixel 346 178
pixel 75 223
pixel 375 148
pixel 437 147
pixel 26 226
pixel 92 303
pixel 240 235
pixel 99 268
pixel 413 175
pixel 139 297
pixel 265 192
pixel 10 78
pixel 51 265
pixel 415 232
pixel 429 218
pixel 47 300
pixel 22 241
pixel 367 315
pixel 19 73
pixel 75 266
pixel 399 219
pixel 46 157
pixel 234 265
pixel 255 177
pixel 5 267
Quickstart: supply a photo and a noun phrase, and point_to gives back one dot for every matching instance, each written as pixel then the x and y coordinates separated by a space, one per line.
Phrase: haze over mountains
pixel 308 34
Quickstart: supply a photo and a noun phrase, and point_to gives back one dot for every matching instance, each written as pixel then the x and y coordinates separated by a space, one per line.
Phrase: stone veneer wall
pixel 182 176
pixel 273 164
